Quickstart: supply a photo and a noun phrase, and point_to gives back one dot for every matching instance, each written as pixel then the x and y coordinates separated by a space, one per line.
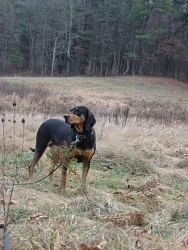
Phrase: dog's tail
pixel 32 149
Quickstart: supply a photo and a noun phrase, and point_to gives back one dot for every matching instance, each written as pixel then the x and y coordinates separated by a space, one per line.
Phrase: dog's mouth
pixel 75 121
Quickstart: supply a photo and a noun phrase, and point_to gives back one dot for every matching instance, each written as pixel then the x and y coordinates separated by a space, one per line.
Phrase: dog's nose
pixel 66 117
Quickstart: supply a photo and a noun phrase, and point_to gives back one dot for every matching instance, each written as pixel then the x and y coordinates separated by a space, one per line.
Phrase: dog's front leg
pixel 55 160
pixel 87 155
pixel 86 165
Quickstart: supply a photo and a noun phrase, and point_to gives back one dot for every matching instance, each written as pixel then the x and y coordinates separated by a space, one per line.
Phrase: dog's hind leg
pixel 63 177
pixel 65 166
pixel 59 156
pixel 51 171
pixel 36 158
pixel 41 145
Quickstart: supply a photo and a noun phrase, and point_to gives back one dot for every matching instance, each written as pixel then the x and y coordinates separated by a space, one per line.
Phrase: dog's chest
pixel 80 154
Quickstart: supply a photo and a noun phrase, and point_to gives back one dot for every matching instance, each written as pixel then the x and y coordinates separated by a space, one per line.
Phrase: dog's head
pixel 81 118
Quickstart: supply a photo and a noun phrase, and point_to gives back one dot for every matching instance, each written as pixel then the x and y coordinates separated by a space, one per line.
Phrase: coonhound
pixel 76 133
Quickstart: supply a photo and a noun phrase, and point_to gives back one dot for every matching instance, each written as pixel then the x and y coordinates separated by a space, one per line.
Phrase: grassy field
pixel 137 186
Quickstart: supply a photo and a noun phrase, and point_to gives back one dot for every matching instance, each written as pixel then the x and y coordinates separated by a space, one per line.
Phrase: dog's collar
pixel 80 138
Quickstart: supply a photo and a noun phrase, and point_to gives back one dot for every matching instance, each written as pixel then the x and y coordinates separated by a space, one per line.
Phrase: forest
pixel 94 38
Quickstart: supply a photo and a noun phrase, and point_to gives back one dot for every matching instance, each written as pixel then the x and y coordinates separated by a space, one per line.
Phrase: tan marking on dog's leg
pixel 76 152
pixel 51 173
pixel 85 169
pixel 33 164
pixel 87 154
pixel 63 178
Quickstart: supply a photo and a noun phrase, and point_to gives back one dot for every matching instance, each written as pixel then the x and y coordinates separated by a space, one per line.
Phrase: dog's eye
pixel 78 112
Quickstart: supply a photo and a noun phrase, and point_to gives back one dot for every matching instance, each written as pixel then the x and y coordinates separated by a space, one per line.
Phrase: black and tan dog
pixel 76 133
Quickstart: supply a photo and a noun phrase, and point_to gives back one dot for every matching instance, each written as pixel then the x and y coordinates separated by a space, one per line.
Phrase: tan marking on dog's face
pixel 74 119
pixel 79 127
pixel 77 122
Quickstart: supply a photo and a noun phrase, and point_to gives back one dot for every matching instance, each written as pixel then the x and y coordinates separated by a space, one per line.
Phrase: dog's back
pixel 56 131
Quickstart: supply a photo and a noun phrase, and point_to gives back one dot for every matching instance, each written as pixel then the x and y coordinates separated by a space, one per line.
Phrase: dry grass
pixel 137 184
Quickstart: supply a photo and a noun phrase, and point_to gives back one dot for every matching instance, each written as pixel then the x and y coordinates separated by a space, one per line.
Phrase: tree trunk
pixel 69 40
pixel 32 55
pixel 53 57
pixel 127 69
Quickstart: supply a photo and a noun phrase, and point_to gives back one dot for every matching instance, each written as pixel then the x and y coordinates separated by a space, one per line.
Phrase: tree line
pixel 94 37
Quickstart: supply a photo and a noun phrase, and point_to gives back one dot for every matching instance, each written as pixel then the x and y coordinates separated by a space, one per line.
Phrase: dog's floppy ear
pixel 90 121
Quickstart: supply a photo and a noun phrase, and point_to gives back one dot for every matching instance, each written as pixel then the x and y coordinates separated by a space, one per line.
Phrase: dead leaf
pixel 185 243
pixel 30 203
pixel 12 202
pixel 36 218
pixel 140 231
pixel 85 247
pixel 138 244
pixel 117 193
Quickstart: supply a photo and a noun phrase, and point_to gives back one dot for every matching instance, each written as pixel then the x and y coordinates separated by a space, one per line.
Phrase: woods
pixel 94 37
